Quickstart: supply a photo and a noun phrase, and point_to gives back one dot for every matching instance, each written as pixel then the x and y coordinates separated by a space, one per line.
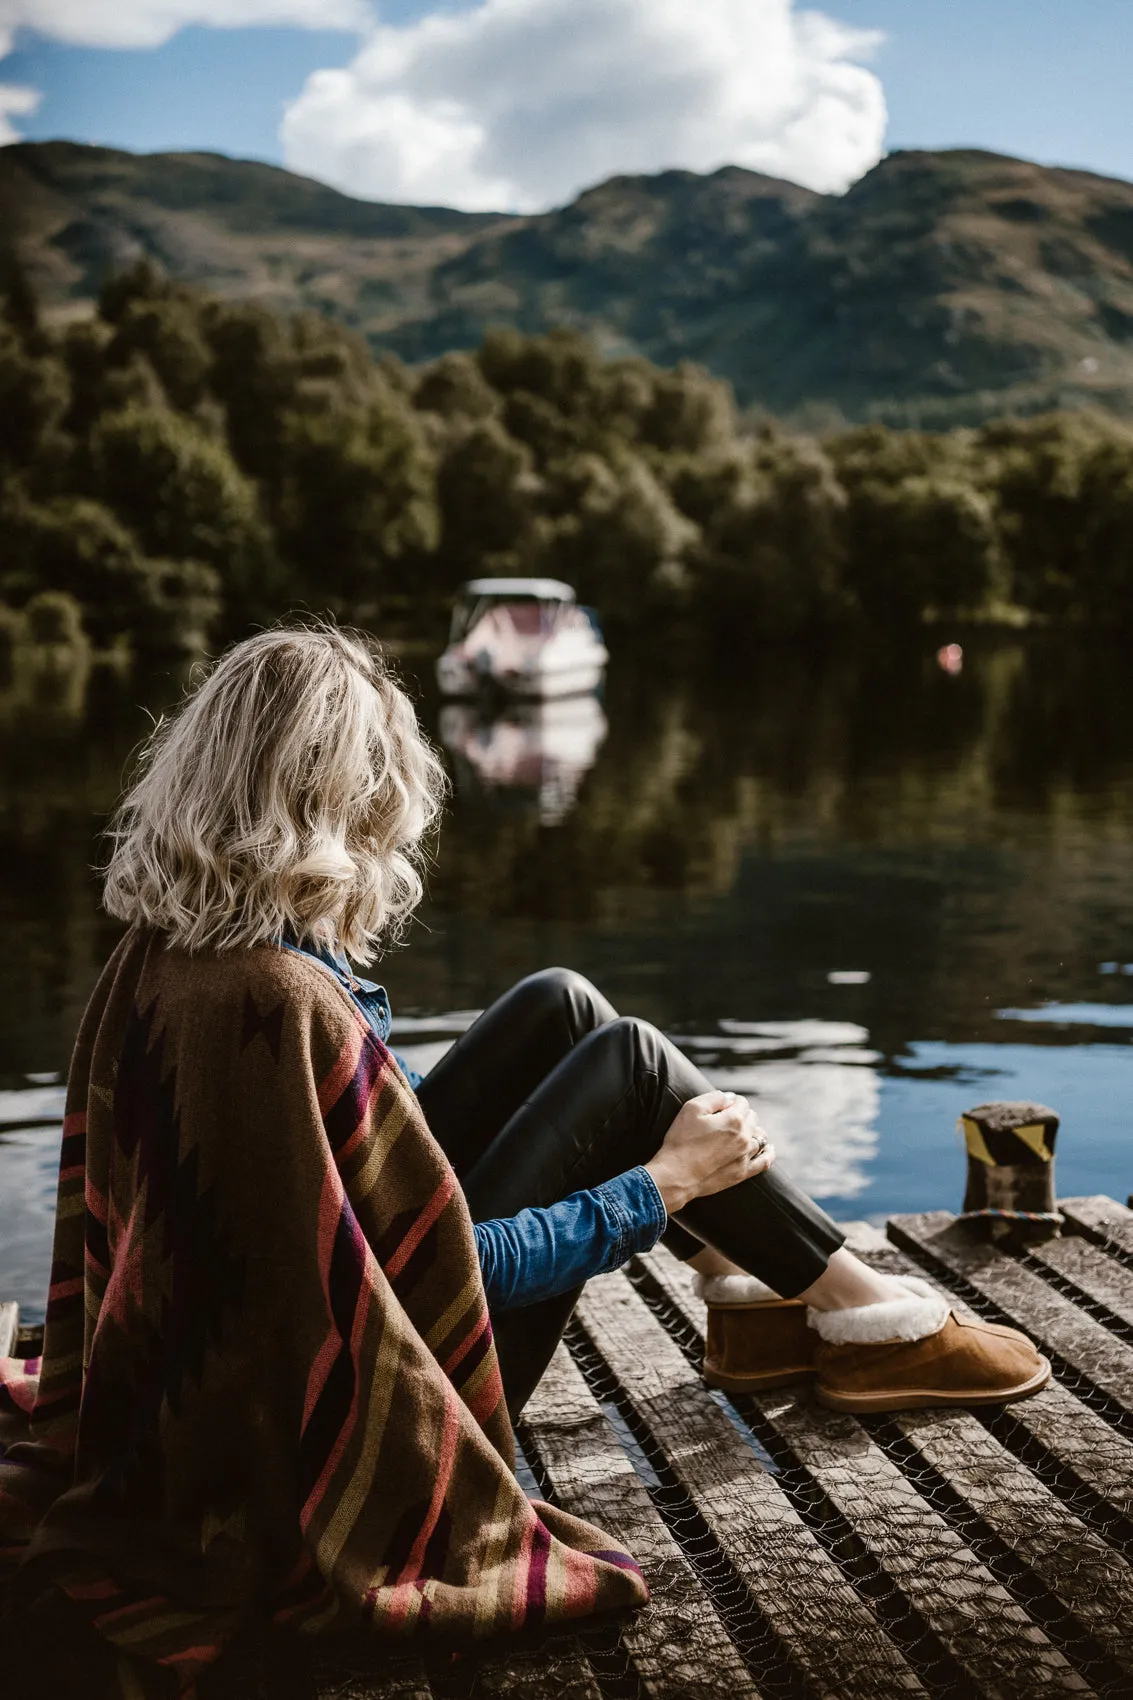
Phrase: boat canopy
pixel 543 589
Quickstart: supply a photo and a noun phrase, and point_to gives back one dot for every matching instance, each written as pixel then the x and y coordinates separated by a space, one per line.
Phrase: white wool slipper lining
pixel 731 1289
pixel 924 1312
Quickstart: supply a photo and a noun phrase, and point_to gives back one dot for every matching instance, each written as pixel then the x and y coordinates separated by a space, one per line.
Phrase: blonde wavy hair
pixel 288 795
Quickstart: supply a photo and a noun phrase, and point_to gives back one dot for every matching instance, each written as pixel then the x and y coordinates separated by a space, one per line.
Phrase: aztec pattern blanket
pixel 268 1381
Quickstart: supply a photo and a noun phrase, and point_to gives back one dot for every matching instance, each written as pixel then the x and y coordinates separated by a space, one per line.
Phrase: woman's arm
pixel 715 1141
pixel 542 1252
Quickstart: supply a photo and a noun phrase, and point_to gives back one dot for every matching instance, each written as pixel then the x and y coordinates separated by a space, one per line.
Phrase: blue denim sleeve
pixel 541 1252
pixel 413 1075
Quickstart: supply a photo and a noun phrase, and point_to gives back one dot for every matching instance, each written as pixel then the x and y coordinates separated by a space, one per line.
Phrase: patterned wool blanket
pixel 268 1381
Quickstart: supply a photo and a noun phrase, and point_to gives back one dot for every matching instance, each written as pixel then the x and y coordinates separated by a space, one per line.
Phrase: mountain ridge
pixel 942 288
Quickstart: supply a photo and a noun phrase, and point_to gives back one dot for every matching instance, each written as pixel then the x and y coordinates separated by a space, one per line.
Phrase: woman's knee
pixel 563 1002
pixel 556 982
pixel 632 1036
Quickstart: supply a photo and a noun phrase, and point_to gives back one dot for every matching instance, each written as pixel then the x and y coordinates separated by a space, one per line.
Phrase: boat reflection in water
pixel 537 750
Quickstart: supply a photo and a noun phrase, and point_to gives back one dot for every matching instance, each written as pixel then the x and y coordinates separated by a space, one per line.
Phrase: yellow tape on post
pixel 975 1141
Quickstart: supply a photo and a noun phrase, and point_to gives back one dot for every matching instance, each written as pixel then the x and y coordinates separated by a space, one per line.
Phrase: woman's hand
pixel 715 1141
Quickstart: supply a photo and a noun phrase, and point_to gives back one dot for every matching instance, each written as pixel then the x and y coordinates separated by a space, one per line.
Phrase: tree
pixel 52 618
pixel 140 282
pixel 357 498
pixel 691 412
pixel 485 493
pixel 772 514
pixel 619 539
pixel 184 499
pixel 927 543
pixel 1038 474
pixel 166 333
pixel 562 368
pixel 20 308
pixel 253 376
pixel 33 400
pixel 455 387
pixel 1103 586
pixel 533 420
pixel 76 547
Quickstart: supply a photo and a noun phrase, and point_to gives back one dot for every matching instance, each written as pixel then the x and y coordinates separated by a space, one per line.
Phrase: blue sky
pixel 1048 79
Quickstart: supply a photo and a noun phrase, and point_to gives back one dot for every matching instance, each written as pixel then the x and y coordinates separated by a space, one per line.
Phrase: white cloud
pixel 147 23
pixel 15 102
pixel 519 104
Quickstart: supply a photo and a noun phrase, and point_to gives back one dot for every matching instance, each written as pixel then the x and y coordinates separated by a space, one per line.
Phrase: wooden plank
pixel 828 1632
pixel 555 1669
pixel 9 1327
pixel 960 1600
pixel 1049 1317
pixel 678 1644
pixel 1079 1568
pixel 1100 1277
pixel 352 1671
pixel 1102 1218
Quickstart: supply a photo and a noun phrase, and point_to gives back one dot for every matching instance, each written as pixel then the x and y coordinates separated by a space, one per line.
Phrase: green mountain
pixel 943 288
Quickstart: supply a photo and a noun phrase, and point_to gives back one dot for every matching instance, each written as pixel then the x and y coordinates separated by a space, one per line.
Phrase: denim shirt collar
pixel 372 999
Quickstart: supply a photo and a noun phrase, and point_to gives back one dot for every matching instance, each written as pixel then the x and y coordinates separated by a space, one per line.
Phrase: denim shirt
pixel 541 1251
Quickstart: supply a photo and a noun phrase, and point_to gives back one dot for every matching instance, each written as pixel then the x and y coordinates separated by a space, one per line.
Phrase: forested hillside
pixel 180 466
pixel 943 288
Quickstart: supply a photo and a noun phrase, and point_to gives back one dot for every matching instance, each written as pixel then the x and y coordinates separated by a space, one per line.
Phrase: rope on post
pixel 1010 1187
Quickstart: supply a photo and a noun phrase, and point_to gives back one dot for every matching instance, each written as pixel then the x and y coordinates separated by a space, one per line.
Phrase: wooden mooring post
pixel 1010 1188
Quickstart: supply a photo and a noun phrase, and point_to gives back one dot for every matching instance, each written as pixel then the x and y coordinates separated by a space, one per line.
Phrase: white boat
pixel 526 637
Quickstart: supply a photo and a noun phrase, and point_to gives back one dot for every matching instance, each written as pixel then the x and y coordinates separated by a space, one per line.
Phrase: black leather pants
pixel 550 1091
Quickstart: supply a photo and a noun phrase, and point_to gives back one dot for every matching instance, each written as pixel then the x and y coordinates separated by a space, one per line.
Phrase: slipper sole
pixel 917 1399
pixel 756 1382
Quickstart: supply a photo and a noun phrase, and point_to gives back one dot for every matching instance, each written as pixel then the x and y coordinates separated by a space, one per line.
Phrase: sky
pixel 519 104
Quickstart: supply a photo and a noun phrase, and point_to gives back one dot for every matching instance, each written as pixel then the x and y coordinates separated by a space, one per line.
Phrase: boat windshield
pixel 529 615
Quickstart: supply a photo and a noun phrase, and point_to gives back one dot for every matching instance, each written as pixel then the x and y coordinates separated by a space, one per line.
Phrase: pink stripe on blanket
pixel 340 1076
pixel 18 1383
pixel 348 1149
pixel 154 1603
pixel 409 1576
pixel 205 1655
pixel 522 1570
pixel 334 1458
pixel 398 1259
pixel 320 1369
pixel 104 1590
pixel 330 1211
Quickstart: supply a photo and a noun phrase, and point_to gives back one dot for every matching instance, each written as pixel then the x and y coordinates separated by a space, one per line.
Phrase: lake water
pixel 863 890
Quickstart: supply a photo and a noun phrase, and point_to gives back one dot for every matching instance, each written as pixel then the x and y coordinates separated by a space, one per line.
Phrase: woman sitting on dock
pixel 298 1296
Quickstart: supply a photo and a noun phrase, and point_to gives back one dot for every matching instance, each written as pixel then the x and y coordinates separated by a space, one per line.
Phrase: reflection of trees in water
pixel 959 835
pixel 966 836
pixel 66 732
pixel 794 749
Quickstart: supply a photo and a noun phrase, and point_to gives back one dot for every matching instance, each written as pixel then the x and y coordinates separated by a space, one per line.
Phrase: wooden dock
pixel 793 1552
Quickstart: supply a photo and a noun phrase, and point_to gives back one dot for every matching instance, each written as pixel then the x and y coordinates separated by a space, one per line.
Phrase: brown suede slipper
pixel 754 1344
pixel 963 1362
